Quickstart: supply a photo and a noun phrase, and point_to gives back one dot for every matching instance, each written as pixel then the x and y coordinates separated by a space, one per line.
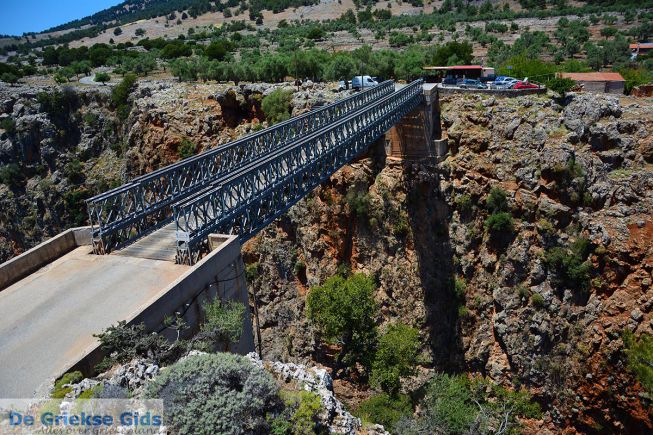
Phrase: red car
pixel 525 85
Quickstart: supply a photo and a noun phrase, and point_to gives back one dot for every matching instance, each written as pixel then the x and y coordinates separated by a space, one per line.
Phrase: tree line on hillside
pixel 239 51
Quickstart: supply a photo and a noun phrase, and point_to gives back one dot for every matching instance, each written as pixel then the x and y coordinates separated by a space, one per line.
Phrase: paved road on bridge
pixel 48 319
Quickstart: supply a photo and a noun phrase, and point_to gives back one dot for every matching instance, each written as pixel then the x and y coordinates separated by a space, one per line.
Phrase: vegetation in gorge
pixel 216 393
pixel 639 352
pixel 343 311
pixel 457 404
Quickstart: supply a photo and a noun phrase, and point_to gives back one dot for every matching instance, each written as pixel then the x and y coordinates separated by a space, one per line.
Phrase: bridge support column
pixel 418 135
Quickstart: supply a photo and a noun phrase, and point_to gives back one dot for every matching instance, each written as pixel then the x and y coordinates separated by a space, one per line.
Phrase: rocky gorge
pixel 494 301
pixel 487 303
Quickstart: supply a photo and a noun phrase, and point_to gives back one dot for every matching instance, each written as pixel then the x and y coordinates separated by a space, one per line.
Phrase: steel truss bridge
pixel 241 187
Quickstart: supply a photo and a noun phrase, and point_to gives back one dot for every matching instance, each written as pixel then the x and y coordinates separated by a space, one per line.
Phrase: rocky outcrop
pixel 333 414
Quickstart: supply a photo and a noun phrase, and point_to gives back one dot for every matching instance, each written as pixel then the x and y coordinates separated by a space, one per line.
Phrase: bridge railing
pixel 121 214
pixel 246 201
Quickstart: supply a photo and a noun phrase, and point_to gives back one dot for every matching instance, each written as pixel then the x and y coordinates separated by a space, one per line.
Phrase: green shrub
pixel 11 175
pixel 102 77
pixel 523 291
pixel 396 357
pixel 499 223
pixel 570 264
pixel 8 125
pixel 75 205
pixel 497 200
pixel 459 288
pixel 223 322
pixel 545 227
pixel 300 415
pixel 358 202
pixel 9 78
pixel 449 402
pixel 343 310
pixel 463 312
pixel 186 148
pixel 560 85
pixel 90 118
pixel 401 226
pixel 120 95
pixel 639 352
pixel 60 391
pixel 570 182
pixel 216 393
pixel 464 203
pixel 384 409
pixel 276 105
pixel 73 171
pixel 59 105
pixel 251 272
pixel 123 343
pixel 299 267
pixel 456 404
pixel 92 393
pixel 537 300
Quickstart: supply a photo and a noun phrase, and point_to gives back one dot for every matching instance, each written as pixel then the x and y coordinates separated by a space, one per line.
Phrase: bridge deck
pixel 47 320
pixel 158 245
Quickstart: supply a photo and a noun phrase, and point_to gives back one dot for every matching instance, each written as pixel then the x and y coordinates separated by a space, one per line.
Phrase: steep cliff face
pixel 540 301
pixel 56 149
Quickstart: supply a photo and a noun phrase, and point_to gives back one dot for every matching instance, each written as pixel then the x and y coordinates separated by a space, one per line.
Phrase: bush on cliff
pixel 499 223
pixel 456 404
pixel 8 125
pixel 300 415
pixel 396 357
pixel 276 106
pixel 497 200
pixel 186 148
pixel 60 390
pixel 570 265
pixel 343 311
pixel 11 175
pixel 124 342
pixel 223 323
pixel 216 393
pixel 640 358
pixel 120 95
pixel 385 409
pixel 560 85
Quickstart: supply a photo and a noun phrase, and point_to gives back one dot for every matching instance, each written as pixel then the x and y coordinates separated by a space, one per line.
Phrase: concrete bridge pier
pixel 419 134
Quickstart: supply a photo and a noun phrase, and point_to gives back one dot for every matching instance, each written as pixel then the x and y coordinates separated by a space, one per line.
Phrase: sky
pixel 18 16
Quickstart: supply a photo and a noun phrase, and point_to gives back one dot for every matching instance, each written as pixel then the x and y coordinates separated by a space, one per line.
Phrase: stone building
pixel 598 82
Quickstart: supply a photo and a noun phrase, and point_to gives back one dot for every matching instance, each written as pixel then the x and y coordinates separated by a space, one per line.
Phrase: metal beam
pixel 131 210
pixel 246 200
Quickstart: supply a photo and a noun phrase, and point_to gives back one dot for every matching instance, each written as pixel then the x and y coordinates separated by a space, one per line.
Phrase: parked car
pixel 507 84
pixel 471 84
pixel 503 79
pixel 359 82
pixel 449 80
pixel 525 85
